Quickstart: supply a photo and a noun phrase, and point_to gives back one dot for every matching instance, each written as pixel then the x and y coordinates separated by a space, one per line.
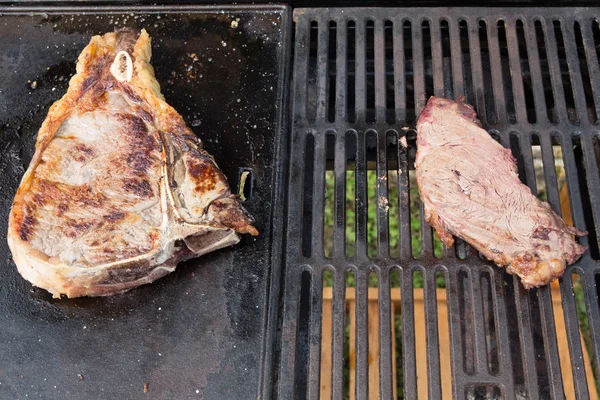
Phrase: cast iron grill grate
pixel 361 77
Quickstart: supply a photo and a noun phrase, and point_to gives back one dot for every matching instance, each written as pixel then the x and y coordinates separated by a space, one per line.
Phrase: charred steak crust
pixel 118 185
pixel 470 188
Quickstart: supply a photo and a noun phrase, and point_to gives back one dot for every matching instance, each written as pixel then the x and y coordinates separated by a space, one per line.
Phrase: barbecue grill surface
pixel 361 78
pixel 221 325
pixel 201 331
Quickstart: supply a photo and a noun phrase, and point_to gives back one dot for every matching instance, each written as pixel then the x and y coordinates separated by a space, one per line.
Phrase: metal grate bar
pixel 409 368
pixel 495 66
pixel 341 76
pixel 361 70
pixel 555 73
pixel 436 52
pixel 318 195
pixel 593 179
pixel 504 352
pixel 515 68
pixel 592 60
pixel 535 71
pixel 573 61
pixel 362 344
pixel 383 245
pixel 433 350
pixel 476 68
pixel 399 80
pixel 314 336
pixel 361 197
pixel 339 330
pixel 404 209
pixel 339 232
pixel 380 89
pixel 385 336
pixel 457 67
pixel 458 376
pixel 323 68
pixel 418 65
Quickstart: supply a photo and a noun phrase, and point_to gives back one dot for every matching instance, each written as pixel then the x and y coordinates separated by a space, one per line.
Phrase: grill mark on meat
pixel 27 227
pixel 79 227
pixel 115 216
pixel 136 127
pixel 39 199
pixel 130 93
pixel 82 153
pixel 139 161
pixel 145 115
pixel 60 209
pixel 86 196
pixel 139 187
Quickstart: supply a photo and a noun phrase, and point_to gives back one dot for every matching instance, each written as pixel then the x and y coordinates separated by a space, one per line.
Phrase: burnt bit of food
pixel 205 174
pixel 541 232
pixel 60 209
pixel 138 187
pixel 82 153
pixel 457 172
pixel 27 227
pixel 78 227
pixel 86 196
pixel 115 216
pixel 228 212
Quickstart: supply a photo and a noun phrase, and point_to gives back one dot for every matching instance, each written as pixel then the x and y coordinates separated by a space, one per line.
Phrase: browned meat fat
pixel 119 189
pixel 470 188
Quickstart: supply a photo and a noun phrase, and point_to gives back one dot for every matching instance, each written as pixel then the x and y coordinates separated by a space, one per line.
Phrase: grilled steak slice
pixel 470 188
pixel 119 189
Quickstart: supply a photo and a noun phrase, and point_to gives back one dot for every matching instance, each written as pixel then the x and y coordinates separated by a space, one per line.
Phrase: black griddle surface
pixel 202 331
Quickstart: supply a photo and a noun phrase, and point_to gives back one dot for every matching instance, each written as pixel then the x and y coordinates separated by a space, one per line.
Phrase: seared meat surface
pixel 470 188
pixel 119 189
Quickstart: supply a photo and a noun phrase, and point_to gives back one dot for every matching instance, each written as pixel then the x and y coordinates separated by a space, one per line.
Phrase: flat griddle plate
pixel 201 331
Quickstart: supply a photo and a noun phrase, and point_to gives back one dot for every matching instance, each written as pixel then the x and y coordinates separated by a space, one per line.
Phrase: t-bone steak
pixel 470 188
pixel 119 190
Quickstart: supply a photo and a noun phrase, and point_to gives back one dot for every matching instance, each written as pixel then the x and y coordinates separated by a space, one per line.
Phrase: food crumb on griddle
pixel 146 386
pixel 79 377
